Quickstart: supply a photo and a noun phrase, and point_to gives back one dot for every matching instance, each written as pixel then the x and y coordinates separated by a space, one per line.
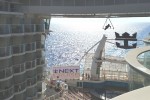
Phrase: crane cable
pixel 108 19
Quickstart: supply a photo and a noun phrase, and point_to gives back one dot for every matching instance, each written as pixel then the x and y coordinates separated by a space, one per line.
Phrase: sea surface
pixel 72 37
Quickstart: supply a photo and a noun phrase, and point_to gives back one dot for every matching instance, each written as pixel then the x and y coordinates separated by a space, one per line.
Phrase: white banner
pixel 66 72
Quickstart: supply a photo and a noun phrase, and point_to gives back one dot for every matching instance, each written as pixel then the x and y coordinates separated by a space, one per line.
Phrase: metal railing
pixel 30 46
pixel 4 94
pixel 40 61
pixel 30 64
pixel 20 86
pixel 18 68
pixel 80 2
pixel 114 75
pixel 39 45
pixel 20 28
pixel 20 48
pixel 6 72
pixel 5 51
pixel 16 49
pixel 13 5
pixel 31 81
pixel 9 6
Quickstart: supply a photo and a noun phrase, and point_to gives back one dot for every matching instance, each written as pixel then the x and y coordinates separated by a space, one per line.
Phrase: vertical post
pixel 74 1
pixel 34 27
pixel 52 3
pixel 9 28
pixel 54 97
pixel 94 3
pixel 40 2
pixel 8 6
pixel 29 3
pixel 22 28
pixel 82 90
pixel 63 3
pixel 105 94
pixel 103 3
pixel 125 1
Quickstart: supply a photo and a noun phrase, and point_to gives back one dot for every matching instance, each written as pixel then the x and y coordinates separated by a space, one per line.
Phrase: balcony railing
pixel 29 28
pixel 20 28
pixel 19 68
pixel 40 77
pixel 40 61
pixel 9 6
pixel 17 28
pixel 30 46
pixel 80 2
pixel 19 49
pixel 30 64
pixel 5 51
pixel 4 94
pixel 4 29
pixel 39 28
pixel 16 49
pixel 39 45
pixel 20 86
pixel 31 81
pixel 6 72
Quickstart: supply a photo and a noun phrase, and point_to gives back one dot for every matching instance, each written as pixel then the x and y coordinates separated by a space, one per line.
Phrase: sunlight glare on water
pixel 71 37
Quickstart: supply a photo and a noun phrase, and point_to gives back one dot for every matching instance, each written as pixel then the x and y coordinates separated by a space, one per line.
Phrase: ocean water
pixel 72 37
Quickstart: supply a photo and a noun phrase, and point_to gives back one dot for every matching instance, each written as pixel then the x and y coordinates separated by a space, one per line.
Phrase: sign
pixel 126 38
pixel 66 72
